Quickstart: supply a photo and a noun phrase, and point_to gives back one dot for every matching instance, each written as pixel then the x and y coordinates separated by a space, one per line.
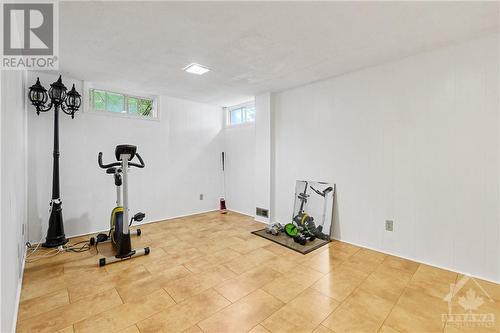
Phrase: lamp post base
pixel 49 243
pixel 55 233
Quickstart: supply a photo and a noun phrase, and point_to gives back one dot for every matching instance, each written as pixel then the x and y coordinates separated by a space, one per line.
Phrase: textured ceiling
pixel 252 47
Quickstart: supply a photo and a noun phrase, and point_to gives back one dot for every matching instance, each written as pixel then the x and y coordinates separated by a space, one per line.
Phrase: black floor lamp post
pixel 69 103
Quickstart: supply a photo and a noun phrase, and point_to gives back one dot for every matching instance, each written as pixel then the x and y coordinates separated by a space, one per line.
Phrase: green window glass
pixel 133 105
pixel 99 100
pixel 121 103
pixel 145 107
pixel 115 102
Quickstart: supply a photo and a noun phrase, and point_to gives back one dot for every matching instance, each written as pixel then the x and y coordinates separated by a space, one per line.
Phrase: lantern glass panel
pixel 57 94
pixel 38 97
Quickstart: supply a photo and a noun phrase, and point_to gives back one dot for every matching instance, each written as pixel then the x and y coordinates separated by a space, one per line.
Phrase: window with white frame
pixel 119 103
pixel 242 113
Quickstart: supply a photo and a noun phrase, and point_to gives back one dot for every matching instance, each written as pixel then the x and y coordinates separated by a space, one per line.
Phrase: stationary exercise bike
pixel 119 232
pixel 303 227
pixel 302 222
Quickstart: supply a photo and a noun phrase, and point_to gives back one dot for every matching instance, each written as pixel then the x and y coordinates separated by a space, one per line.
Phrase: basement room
pixel 250 166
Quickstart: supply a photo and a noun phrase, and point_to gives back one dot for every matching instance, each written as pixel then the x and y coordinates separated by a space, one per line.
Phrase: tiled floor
pixel 207 273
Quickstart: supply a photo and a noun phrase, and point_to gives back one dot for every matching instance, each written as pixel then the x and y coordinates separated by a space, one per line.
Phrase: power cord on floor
pixel 48 254
pixel 78 247
pixel 32 249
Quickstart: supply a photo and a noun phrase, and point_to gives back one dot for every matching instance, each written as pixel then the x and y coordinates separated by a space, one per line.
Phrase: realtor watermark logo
pixel 30 38
pixel 471 298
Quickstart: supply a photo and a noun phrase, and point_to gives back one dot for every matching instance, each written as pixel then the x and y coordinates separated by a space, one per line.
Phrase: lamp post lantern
pixel 69 103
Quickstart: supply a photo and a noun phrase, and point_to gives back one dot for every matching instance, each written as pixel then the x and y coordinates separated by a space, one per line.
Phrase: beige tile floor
pixel 207 273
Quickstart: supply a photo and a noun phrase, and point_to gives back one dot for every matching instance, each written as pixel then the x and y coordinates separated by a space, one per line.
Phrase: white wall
pixel 263 153
pixel 13 192
pixel 181 152
pixel 239 145
pixel 415 141
pixel 248 161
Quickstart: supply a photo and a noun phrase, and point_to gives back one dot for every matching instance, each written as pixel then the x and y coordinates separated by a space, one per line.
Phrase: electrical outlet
pixel 201 196
pixel 389 225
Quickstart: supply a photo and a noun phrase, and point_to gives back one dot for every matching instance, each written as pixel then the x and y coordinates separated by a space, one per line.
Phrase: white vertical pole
pixel 125 192
pixel 119 196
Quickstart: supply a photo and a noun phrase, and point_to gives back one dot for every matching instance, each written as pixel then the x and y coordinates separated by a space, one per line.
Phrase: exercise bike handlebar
pixel 142 165
pixel 105 166
pixel 114 164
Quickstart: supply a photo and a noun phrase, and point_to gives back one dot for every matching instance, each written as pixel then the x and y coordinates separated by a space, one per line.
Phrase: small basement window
pixel 118 103
pixel 241 114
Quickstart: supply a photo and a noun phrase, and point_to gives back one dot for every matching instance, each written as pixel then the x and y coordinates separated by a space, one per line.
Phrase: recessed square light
pixel 196 69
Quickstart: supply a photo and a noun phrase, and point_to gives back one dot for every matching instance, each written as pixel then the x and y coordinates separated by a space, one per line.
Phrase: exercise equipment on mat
pixel 119 232
pixel 324 194
pixel 298 228
pixel 274 229
pixel 302 228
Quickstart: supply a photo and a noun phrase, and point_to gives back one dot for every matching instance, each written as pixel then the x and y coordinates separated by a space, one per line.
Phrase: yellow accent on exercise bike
pixel 113 221
pixel 304 218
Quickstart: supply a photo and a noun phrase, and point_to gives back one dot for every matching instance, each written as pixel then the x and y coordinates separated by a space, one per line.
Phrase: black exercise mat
pixel 288 242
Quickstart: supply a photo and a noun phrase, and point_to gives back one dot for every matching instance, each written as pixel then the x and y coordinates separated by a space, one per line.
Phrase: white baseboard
pixel 418 261
pixel 242 213
pixel 148 222
pixel 261 219
pixel 18 293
